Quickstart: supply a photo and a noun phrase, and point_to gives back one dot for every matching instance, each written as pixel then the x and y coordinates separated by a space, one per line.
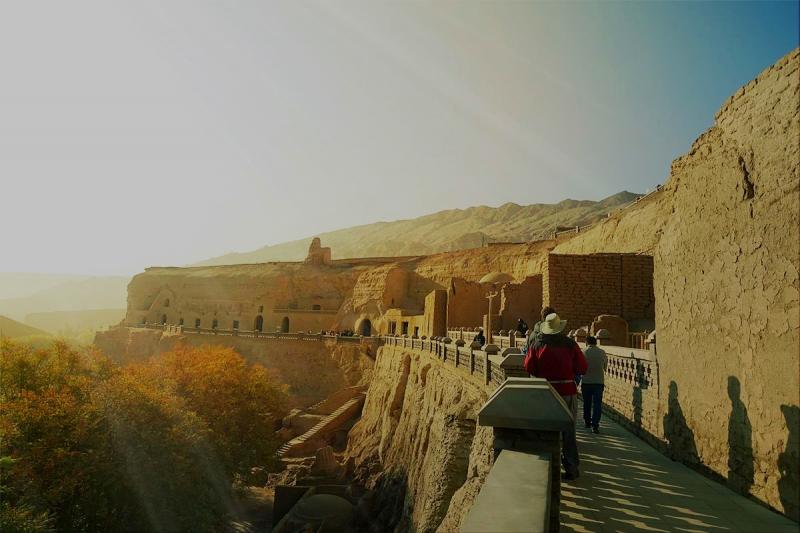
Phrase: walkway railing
pixel 477 363
pixel 631 377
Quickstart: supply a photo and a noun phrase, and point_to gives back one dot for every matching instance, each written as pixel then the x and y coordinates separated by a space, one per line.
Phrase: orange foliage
pixel 87 446
pixel 238 401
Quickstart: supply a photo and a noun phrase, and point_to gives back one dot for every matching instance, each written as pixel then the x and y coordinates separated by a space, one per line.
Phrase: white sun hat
pixel 552 324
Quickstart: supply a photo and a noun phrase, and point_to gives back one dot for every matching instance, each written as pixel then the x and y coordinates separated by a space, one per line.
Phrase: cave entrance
pixel 365 328
pixel 285 325
pixel 258 325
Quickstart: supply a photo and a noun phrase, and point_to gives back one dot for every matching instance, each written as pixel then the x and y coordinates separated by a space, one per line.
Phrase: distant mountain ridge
pixel 444 231
pixel 80 293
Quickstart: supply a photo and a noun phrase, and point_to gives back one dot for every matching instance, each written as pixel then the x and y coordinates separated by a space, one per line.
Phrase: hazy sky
pixel 156 133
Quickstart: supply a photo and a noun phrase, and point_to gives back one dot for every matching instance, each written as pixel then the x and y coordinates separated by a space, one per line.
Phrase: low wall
pixel 632 392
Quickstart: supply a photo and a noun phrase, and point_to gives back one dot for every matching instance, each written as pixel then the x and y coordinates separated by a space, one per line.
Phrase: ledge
pixel 515 497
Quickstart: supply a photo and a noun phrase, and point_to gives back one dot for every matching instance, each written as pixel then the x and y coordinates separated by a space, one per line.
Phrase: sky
pixel 149 133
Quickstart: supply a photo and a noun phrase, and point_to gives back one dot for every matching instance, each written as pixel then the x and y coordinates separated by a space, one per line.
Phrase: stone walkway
pixel 626 485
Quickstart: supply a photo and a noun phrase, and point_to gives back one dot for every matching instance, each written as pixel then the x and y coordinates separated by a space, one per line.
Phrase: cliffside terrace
pixel 637 472
pixel 627 482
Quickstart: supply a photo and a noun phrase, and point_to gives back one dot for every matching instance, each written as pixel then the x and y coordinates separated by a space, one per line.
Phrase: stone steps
pixel 327 423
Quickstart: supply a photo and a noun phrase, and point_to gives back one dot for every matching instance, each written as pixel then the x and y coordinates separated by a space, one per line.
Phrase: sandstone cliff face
pixel 518 260
pixel 242 293
pixel 726 257
pixel 417 442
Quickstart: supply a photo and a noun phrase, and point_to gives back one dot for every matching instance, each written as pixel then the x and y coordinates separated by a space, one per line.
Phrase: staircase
pixel 330 423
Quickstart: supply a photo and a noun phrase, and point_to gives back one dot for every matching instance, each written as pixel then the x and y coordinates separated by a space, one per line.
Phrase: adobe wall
pixel 725 236
pixel 435 314
pixel 523 300
pixel 466 303
pixel 580 287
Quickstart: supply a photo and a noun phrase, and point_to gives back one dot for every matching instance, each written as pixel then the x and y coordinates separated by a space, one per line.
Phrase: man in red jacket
pixel 557 358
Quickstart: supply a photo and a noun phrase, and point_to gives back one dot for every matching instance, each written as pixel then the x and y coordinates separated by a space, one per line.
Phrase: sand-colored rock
pixel 417 442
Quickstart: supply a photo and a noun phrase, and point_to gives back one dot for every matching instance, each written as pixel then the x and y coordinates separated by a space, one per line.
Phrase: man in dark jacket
pixel 480 338
pixel 557 358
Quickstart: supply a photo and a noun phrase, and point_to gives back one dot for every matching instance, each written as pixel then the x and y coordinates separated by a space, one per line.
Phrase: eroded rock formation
pixel 417 444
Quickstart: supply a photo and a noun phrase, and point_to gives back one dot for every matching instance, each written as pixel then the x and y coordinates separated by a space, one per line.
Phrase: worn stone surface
pixel 417 442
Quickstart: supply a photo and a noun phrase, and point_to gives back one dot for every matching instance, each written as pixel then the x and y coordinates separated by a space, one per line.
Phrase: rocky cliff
pixel 417 443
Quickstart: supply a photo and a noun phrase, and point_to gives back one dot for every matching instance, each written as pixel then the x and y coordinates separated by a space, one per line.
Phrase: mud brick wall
pixel 580 287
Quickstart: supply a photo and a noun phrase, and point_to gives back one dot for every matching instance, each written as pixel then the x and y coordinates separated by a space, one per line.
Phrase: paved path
pixel 626 485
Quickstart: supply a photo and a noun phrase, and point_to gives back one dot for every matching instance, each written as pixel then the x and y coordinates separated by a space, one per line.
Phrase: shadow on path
pixel 740 441
pixel 626 485
pixel 789 464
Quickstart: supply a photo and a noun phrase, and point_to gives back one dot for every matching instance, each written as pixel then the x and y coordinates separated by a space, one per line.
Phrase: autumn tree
pixel 240 403
pixel 87 446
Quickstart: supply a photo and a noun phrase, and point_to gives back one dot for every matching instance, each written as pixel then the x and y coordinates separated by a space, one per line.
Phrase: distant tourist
pixel 557 358
pixel 593 384
pixel 522 327
pixel 479 338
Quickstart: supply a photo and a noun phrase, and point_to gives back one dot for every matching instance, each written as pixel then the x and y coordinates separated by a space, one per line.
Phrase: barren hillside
pixel 11 329
pixel 454 229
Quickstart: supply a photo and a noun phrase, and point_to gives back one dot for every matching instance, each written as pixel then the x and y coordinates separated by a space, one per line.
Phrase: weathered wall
pixel 435 314
pixel 466 303
pixel 417 442
pixel 580 287
pixel 726 258
pixel 518 260
pixel 523 300
pixel 241 292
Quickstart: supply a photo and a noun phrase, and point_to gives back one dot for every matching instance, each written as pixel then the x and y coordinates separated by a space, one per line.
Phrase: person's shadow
pixel 680 438
pixel 741 472
pixel 789 464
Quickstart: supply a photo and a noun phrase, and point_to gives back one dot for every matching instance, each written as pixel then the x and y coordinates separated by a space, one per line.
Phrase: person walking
pixel 593 384
pixel 522 327
pixel 557 358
